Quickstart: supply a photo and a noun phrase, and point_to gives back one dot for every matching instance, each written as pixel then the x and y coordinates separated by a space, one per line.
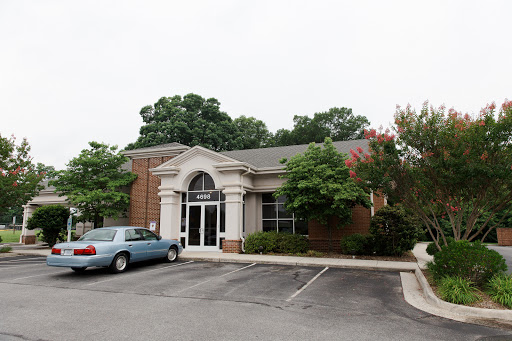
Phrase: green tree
pixel 52 222
pixel 254 132
pixel 191 120
pixel 319 187
pixel 445 165
pixel 340 124
pixel 94 181
pixel 19 181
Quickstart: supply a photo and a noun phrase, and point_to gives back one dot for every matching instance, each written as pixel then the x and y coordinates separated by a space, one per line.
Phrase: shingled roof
pixel 269 157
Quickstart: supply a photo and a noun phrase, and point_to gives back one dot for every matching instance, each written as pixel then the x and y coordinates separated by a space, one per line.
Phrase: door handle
pixel 130 245
pixel 149 243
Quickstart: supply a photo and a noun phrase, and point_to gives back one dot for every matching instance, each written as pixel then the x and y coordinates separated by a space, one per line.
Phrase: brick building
pixel 211 201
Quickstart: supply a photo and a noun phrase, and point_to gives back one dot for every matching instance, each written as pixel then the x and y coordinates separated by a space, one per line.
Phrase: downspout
pixel 241 210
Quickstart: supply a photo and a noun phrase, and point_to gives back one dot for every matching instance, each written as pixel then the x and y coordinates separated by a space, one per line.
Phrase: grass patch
pixel 9 237
pixel 458 290
pixel 499 289
pixel 5 249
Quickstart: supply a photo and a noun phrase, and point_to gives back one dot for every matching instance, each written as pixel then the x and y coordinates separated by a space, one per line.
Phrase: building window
pixel 276 218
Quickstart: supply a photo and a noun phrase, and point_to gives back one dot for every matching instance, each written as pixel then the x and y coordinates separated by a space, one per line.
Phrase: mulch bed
pixel 407 257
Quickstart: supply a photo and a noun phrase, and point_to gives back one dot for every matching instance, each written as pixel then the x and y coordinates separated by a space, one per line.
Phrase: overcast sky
pixel 77 71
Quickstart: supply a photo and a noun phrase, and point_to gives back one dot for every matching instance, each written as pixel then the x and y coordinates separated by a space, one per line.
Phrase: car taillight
pixel 89 250
pixel 55 251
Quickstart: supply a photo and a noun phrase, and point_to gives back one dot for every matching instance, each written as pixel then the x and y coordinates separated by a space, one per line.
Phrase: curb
pixel 469 312
pixel 341 264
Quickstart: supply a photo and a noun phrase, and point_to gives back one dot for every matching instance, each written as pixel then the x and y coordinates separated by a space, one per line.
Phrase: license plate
pixel 67 252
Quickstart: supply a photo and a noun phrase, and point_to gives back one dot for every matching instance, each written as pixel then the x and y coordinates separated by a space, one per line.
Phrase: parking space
pixel 203 300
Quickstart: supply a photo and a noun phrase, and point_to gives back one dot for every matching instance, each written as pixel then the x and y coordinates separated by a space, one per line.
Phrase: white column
pixel 234 196
pixel 28 210
pixel 169 213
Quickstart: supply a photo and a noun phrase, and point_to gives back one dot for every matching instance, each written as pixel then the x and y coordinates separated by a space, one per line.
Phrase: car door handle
pixel 149 243
pixel 130 245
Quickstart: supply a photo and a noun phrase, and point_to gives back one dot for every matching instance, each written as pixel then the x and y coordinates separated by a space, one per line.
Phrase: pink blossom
pixel 355 156
pixel 360 150
pixel 15 184
pixel 352 174
pixel 348 163
pixel 482 123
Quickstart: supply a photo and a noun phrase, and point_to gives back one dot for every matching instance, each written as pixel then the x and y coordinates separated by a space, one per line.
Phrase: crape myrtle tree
pixel 19 179
pixel 191 120
pixel 318 187
pixel 93 182
pixel 444 165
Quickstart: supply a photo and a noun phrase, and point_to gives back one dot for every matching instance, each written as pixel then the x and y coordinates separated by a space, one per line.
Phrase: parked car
pixel 115 248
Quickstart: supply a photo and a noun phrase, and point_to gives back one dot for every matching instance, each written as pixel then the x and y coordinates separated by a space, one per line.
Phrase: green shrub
pixel 268 240
pixel 470 261
pixel 458 290
pixel 394 231
pixel 5 249
pixel 356 244
pixel 52 221
pixel 293 243
pixel 276 242
pixel 499 289
pixel 432 248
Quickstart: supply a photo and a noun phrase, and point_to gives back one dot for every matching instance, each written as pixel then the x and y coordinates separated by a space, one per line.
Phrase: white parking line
pixel 144 272
pixel 229 273
pixel 21 260
pixel 52 273
pixel 307 284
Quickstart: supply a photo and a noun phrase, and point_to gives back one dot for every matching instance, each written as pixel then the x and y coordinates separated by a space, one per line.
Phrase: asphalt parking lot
pixel 190 300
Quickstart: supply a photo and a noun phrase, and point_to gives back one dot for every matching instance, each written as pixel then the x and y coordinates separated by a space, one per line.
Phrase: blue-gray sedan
pixel 115 248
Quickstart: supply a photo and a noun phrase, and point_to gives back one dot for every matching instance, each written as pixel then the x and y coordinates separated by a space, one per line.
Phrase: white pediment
pixel 195 154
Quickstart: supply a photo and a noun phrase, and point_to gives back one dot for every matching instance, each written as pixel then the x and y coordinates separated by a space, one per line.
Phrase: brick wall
pixel 361 217
pixel 231 246
pixel 144 199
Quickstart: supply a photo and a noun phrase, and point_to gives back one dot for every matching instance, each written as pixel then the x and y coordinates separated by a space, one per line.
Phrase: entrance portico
pixel 201 199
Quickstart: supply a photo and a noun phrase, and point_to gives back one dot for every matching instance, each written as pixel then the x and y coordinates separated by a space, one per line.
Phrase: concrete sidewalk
pixel 417 291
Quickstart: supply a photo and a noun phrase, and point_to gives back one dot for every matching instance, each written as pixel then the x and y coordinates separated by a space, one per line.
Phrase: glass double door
pixel 203 227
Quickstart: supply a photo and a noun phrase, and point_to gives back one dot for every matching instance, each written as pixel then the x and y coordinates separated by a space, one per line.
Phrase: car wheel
pixel 172 254
pixel 119 264
pixel 79 269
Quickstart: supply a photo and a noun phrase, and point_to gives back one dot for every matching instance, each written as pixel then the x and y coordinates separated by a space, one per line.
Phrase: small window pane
pixel 285 226
pixel 209 184
pixel 222 218
pixel 197 183
pixel 281 199
pixel 267 198
pixel 283 213
pixel 301 227
pixel 269 225
pixel 269 211
pixel 183 197
pixel 222 197
pixel 183 218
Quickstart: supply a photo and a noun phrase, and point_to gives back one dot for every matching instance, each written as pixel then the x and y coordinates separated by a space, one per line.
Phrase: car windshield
pixel 99 234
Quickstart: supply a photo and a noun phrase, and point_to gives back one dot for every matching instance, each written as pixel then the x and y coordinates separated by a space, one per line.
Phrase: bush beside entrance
pixel 273 242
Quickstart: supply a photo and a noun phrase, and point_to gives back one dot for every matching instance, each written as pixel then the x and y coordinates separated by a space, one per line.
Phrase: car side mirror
pixel 159 237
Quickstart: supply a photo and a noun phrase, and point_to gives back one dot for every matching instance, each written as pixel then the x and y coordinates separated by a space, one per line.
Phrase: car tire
pixel 119 264
pixel 79 269
pixel 172 254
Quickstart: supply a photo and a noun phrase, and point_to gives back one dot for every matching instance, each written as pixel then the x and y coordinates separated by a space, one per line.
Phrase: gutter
pixel 241 209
